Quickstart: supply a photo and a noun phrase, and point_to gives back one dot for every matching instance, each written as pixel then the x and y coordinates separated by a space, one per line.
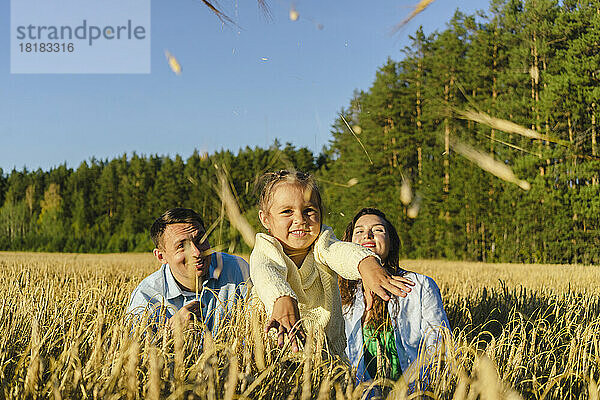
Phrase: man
pixel 190 270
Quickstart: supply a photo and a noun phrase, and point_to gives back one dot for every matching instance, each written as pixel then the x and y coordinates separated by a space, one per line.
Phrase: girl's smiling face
pixel 292 217
pixel 370 231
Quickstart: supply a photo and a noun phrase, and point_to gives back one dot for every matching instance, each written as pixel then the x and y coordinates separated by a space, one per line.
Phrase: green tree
pixel 50 221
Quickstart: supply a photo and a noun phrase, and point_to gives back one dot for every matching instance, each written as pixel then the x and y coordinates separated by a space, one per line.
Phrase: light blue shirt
pixel 226 283
pixel 416 320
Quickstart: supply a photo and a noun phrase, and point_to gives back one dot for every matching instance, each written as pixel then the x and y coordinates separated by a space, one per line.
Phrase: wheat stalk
pixel 489 164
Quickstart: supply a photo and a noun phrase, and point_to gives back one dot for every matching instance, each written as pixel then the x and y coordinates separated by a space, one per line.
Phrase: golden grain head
pixel 352 182
pixel 405 192
pixel 506 126
pixel 413 211
pixel 173 63
pixel 419 8
pixel 489 164
pixel 232 208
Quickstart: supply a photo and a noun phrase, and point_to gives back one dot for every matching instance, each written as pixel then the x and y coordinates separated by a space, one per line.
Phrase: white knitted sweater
pixel 314 285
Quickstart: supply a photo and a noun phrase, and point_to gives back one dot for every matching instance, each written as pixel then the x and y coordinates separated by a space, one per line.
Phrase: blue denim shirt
pixel 417 320
pixel 226 283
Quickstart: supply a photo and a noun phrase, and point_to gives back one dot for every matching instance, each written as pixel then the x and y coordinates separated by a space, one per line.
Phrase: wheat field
pixel 519 331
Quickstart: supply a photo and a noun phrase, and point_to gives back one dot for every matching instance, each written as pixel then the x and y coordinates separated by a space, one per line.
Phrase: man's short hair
pixel 173 216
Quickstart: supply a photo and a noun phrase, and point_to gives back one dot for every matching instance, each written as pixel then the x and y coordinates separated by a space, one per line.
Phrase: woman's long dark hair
pixel 348 288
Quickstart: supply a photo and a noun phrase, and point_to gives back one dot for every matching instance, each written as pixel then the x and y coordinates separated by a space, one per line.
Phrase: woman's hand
pixel 377 280
pixel 286 319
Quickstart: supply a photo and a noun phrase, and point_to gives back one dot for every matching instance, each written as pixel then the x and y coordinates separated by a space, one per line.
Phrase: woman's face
pixel 371 232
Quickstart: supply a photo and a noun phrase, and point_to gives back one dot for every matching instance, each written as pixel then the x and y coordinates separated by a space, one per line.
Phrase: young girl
pixel 295 267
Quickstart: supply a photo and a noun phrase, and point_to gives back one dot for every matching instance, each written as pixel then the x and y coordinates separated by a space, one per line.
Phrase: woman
pixel 386 340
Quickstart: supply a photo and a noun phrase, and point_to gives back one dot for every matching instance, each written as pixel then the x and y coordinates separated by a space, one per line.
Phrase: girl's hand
pixel 286 319
pixel 377 280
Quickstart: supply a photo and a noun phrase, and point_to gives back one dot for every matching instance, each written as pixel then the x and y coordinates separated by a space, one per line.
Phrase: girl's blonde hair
pixel 268 181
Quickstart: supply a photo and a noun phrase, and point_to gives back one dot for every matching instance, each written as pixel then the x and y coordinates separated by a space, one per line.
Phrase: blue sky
pixel 227 96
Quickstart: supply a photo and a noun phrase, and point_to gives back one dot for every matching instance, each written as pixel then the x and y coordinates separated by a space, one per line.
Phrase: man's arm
pixel 186 314
pixel 139 301
pixel 147 305
pixel 146 310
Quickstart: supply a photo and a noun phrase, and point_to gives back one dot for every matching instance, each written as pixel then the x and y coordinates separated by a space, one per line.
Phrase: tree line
pixel 534 63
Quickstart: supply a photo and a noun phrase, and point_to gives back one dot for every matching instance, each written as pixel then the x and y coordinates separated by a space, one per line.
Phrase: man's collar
pixel 214 271
pixel 173 288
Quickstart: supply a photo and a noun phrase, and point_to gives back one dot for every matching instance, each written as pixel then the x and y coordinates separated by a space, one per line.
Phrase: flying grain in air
pixel 173 63
pixel 294 14
pixel 357 139
pixel 233 210
pixel 489 164
pixel 506 126
pixel 419 8
pixel 405 192
pixel 413 210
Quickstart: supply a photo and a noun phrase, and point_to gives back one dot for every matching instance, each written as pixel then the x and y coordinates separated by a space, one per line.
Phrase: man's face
pixel 181 246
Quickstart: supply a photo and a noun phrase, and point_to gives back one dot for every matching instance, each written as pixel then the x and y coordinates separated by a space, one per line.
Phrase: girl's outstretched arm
pixel 377 280
pixel 352 261
pixel 341 257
